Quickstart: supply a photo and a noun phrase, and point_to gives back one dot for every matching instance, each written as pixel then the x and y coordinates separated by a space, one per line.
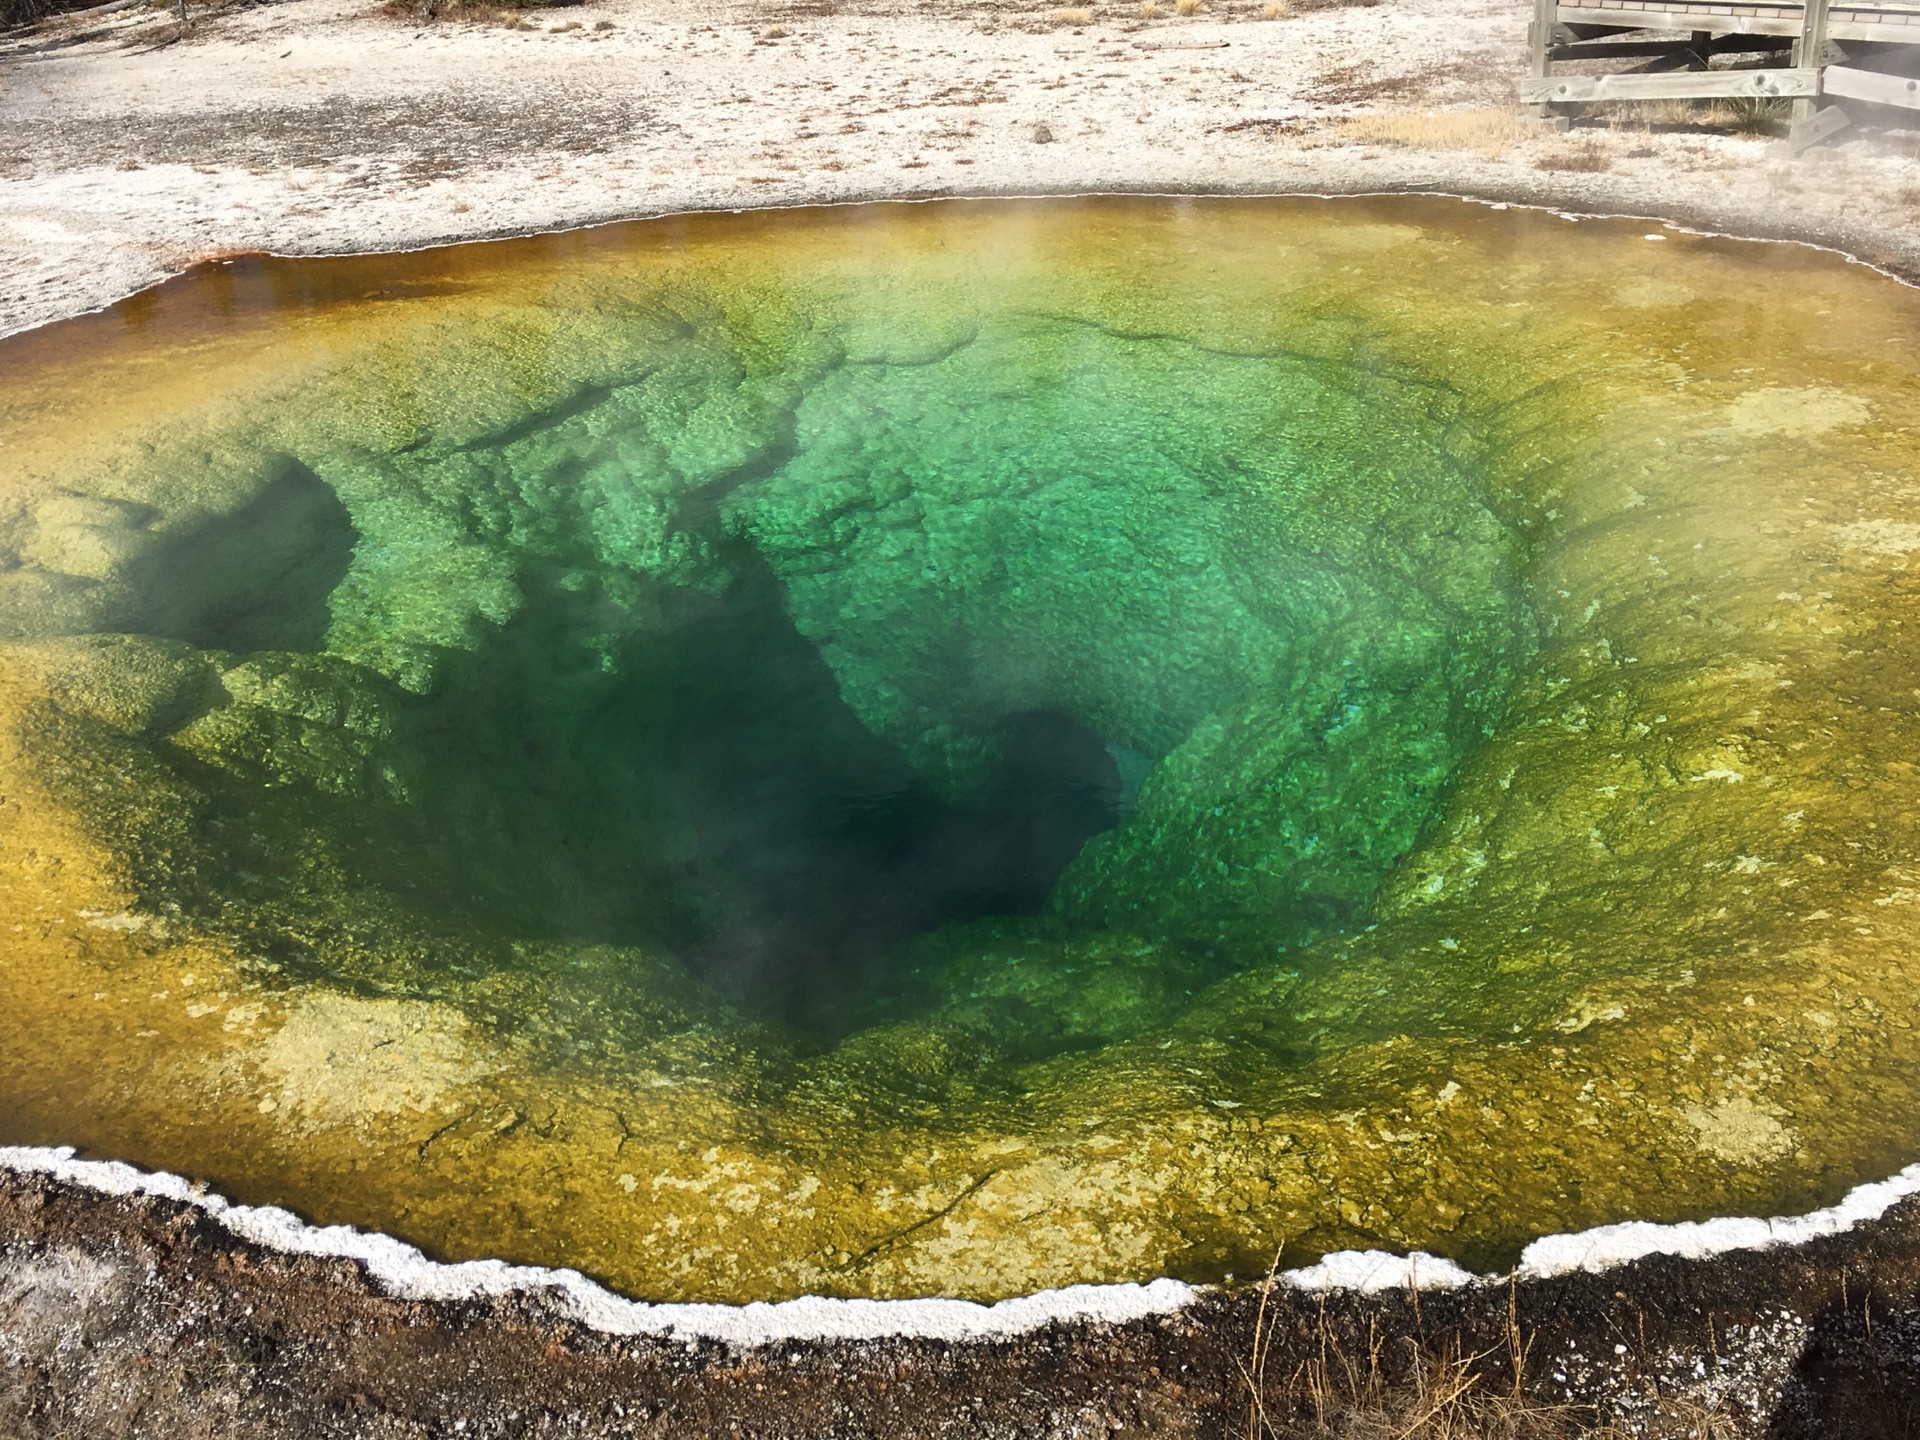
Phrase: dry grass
pixel 1435 1392
pixel 24 12
pixel 1151 11
pixel 1491 132
pixel 1074 17
pixel 1587 157
pixel 1651 113
pixel 1274 10
pixel 774 32
pixel 506 13
pixel 1749 115
pixel 1188 7
pixel 1743 115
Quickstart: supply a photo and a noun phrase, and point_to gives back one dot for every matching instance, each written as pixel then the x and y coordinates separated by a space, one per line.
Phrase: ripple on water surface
pixel 963 748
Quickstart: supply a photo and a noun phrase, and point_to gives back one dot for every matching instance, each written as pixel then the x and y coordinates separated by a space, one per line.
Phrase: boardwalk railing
pixel 1786 49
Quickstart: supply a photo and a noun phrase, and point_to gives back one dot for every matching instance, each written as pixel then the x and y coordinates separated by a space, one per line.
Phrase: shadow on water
pixel 257 578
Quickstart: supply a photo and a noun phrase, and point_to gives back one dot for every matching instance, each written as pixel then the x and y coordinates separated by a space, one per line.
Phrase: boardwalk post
pixel 1811 124
pixel 1546 16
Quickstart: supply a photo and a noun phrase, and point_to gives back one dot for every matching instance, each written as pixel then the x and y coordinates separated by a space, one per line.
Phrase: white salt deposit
pixel 1370 1271
pixel 1609 1245
pixel 402 1270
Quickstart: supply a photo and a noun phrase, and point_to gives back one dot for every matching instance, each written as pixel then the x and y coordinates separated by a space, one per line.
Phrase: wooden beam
pixel 1850 84
pixel 1681 85
pixel 1823 124
pixel 1764 21
pixel 1844 22
pixel 1623 51
pixel 1751 44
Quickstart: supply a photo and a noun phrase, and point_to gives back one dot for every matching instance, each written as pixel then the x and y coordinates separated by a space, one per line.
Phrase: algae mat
pixel 963 748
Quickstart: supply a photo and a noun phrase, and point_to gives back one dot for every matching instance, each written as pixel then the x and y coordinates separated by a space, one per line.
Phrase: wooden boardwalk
pixel 1810 53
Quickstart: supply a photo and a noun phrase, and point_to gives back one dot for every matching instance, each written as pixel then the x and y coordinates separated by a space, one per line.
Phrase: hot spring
pixel 957 749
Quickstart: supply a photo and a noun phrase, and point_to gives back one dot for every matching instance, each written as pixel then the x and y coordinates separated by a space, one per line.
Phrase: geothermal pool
pixel 963 748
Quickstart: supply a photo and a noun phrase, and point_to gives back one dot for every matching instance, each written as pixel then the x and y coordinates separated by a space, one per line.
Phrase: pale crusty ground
pixel 316 126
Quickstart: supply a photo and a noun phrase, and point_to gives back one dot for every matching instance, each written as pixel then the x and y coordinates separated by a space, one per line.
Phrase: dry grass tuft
pixel 1743 115
pixel 1660 112
pixel 1151 11
pixel 1589 157
pixel 1074 17
pixel 1491 132
pixel 1188 7
pixel 1274 10
pixel 1749 115
pixel 774 32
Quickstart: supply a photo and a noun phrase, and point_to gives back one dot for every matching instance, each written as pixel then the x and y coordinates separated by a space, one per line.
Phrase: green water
pixel 776 693
pixel 963 749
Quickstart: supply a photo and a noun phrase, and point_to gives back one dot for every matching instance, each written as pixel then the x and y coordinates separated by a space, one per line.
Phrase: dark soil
pixel 145 1317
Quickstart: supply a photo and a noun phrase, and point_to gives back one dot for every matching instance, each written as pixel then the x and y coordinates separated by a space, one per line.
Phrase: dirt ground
pixel 129 149
pixel 135 1316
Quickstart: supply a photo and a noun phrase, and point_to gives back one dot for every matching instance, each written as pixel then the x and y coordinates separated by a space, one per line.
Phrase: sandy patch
pixel 1880 537
pixel 338 1060
pixel 1740 1131
pixel 1797 410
